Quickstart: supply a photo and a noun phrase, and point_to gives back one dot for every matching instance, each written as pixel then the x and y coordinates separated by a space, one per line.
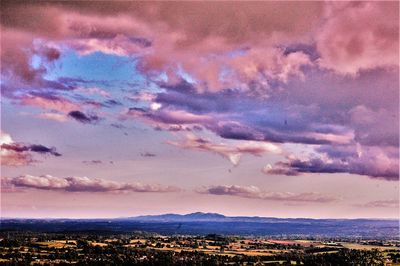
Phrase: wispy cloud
pixel 49 102
pixel 148 154
pixel 53 116
pixel 93 91
pixel 381 204
pixel 254 192
pixel 93 162
pixel 232 152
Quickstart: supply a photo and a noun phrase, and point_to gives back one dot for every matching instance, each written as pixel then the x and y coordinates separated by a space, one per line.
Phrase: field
pixel 367 247
pixel 153 249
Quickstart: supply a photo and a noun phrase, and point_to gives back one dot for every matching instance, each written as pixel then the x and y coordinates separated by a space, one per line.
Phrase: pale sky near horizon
pixel 284 109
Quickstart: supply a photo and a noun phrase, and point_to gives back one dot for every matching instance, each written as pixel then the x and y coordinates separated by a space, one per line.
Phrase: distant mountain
pixel 216 217
pixel 200 223
pixel 171 217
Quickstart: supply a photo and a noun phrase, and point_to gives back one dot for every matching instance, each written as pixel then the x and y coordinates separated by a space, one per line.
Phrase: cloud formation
pixel 253 192
pixel 232 152
pixel 371 42
pixel 83 118
pixel 236 115
pixel 381 204
pixel 371 161
pixel 48 102
pixel 167 119
pixel 270 72
pixel 238 48
pixel 358 139
pixel 82 184
pixel 15 147
pixel 19 154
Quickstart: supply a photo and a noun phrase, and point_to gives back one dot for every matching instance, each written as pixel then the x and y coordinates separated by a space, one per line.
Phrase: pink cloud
pixel 94 91
pixel 10 157
pixel 231 48
pixel 221 47
pixel 262 65
pixel 359 36
pixel 19 154
pixel 167 118
pixel 232 152
pixel 49 103
pixel 53 116
pixel 141 96
pixel 381 204
pixel 15 159
pixel 375 127
pixel 83 184
pixel 164 43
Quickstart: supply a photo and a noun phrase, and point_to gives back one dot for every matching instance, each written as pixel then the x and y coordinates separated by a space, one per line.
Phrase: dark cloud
pixel 111 103
pixel 20 154
pixel 16 147
pixel 49 53
pixel 83 118
pixel 43 149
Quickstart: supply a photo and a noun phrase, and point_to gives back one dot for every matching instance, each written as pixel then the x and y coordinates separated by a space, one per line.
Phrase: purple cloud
pixel 83 118
pixel 241 117
pixel 339 132
pixel 32 147
pixel 19 154
pixel 265 79
pixel 370 161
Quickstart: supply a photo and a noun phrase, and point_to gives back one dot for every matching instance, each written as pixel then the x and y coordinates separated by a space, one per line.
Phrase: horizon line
pixel 227 216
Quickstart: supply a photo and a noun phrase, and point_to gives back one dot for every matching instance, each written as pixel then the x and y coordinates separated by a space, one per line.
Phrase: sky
pixel 116 109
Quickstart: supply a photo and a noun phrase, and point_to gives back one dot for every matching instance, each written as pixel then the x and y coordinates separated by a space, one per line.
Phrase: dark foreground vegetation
pixel 27 248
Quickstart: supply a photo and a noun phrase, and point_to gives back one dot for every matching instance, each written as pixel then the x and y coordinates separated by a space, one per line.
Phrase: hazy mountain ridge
pixel 199 223
pixel 195 216
pixel 216 217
